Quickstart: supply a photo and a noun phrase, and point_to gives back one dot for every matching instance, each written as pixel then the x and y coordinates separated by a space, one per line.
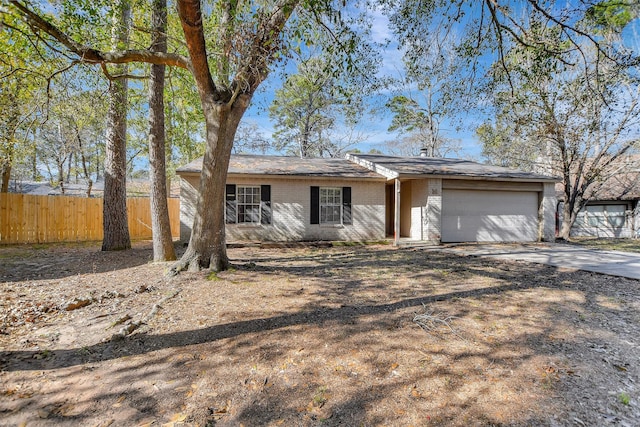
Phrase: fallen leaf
pixel 119 401
pixel 178 417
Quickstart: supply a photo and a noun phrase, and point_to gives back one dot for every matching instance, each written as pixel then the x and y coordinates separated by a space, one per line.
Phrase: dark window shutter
pixel 346 206
pixel 265 204
pixel 315 205
pixel 230 204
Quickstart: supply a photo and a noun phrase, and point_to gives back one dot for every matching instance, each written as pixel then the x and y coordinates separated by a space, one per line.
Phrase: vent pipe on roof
pixel 424 152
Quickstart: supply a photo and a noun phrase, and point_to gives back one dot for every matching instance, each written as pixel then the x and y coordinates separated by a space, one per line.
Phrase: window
pixel 605 215
pixel 581 219
pixel 330 205
pixel 615 215
pixel 595 215
pixel 248 205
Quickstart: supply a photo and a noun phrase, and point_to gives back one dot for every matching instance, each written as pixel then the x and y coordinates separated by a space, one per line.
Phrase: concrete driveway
pixel 614 263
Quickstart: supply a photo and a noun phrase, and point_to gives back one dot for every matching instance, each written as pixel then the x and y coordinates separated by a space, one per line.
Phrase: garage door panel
pixel 489 216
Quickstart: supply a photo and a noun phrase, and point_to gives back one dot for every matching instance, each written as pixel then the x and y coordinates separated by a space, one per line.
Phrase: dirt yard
pixel 313 336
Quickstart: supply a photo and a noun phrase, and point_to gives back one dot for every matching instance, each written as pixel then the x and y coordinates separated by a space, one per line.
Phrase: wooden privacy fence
pixel 42 219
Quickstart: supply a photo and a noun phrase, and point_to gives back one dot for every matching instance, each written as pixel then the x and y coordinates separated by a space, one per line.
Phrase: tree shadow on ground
pixel 344 327
pixel 143 343
pixel 33 262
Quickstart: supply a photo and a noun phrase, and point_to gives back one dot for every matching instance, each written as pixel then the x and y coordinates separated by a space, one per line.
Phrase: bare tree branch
pixel 90 55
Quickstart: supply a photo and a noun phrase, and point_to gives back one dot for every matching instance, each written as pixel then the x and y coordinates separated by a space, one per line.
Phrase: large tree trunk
pixel 207 245
pixel 8 143
pixel 61 176
pixel 83 160
pixel 161 227
pixel 6 176
pixel 570 209
pixel 223 108
pixel 567 223
pixel 115 224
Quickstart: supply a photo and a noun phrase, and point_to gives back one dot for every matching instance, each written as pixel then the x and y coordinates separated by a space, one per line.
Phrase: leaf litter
pixel 308 336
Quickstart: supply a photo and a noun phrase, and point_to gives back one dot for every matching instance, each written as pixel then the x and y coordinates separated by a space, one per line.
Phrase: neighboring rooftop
pixel 135 188
pixel 620 181
pixel 247 164
pixel 624 186
pixel 406 167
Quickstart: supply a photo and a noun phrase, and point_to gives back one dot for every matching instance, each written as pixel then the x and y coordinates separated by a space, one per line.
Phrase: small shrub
pixel 624 398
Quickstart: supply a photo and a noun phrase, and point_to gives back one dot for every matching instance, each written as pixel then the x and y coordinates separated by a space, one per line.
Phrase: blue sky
pixel 375 127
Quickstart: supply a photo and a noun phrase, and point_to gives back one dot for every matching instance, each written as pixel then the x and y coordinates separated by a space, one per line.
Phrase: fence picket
pixel 44 219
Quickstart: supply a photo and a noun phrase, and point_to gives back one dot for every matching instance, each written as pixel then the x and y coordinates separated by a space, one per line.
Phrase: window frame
pixel 616 218
pixel 242 204
pixel 596 215
pixel 325 204
pixel 599 216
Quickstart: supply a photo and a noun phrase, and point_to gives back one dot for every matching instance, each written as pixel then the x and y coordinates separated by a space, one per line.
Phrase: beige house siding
pixel 188 203
pixel 421 205
pixel 433 215
pixel 548 212
pixel 291 206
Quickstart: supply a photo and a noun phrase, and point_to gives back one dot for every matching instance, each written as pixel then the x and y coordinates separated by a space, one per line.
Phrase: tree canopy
pixel 459 56
pixel 576 117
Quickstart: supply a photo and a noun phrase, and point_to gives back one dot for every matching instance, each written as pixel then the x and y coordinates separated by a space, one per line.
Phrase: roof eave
pixel 186 173
pixel 375 167
pixel 477 177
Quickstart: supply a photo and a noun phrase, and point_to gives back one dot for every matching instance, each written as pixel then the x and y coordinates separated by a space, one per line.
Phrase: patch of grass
pixel 213 276
pixel 320 397
pixel 44 354
pixel 84 351
pixel 625 245
pixel 624 398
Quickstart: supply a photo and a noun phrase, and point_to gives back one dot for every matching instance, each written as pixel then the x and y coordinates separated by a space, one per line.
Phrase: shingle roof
pixel 619 181
pixel 624 186
pixel 367 166
pixel 406 167
pixel 288 166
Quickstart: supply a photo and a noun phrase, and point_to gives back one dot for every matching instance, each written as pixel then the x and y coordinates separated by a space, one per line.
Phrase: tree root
pixel 177 267
pixel 193 263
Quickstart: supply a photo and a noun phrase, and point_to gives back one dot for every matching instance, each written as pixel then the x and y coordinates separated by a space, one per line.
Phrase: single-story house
pixel 372 197
pixel 613 209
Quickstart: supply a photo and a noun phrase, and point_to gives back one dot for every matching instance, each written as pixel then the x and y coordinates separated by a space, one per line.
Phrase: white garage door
pixel 489 216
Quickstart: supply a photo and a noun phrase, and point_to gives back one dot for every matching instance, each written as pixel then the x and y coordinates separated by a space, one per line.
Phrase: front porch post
pixel 396 216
